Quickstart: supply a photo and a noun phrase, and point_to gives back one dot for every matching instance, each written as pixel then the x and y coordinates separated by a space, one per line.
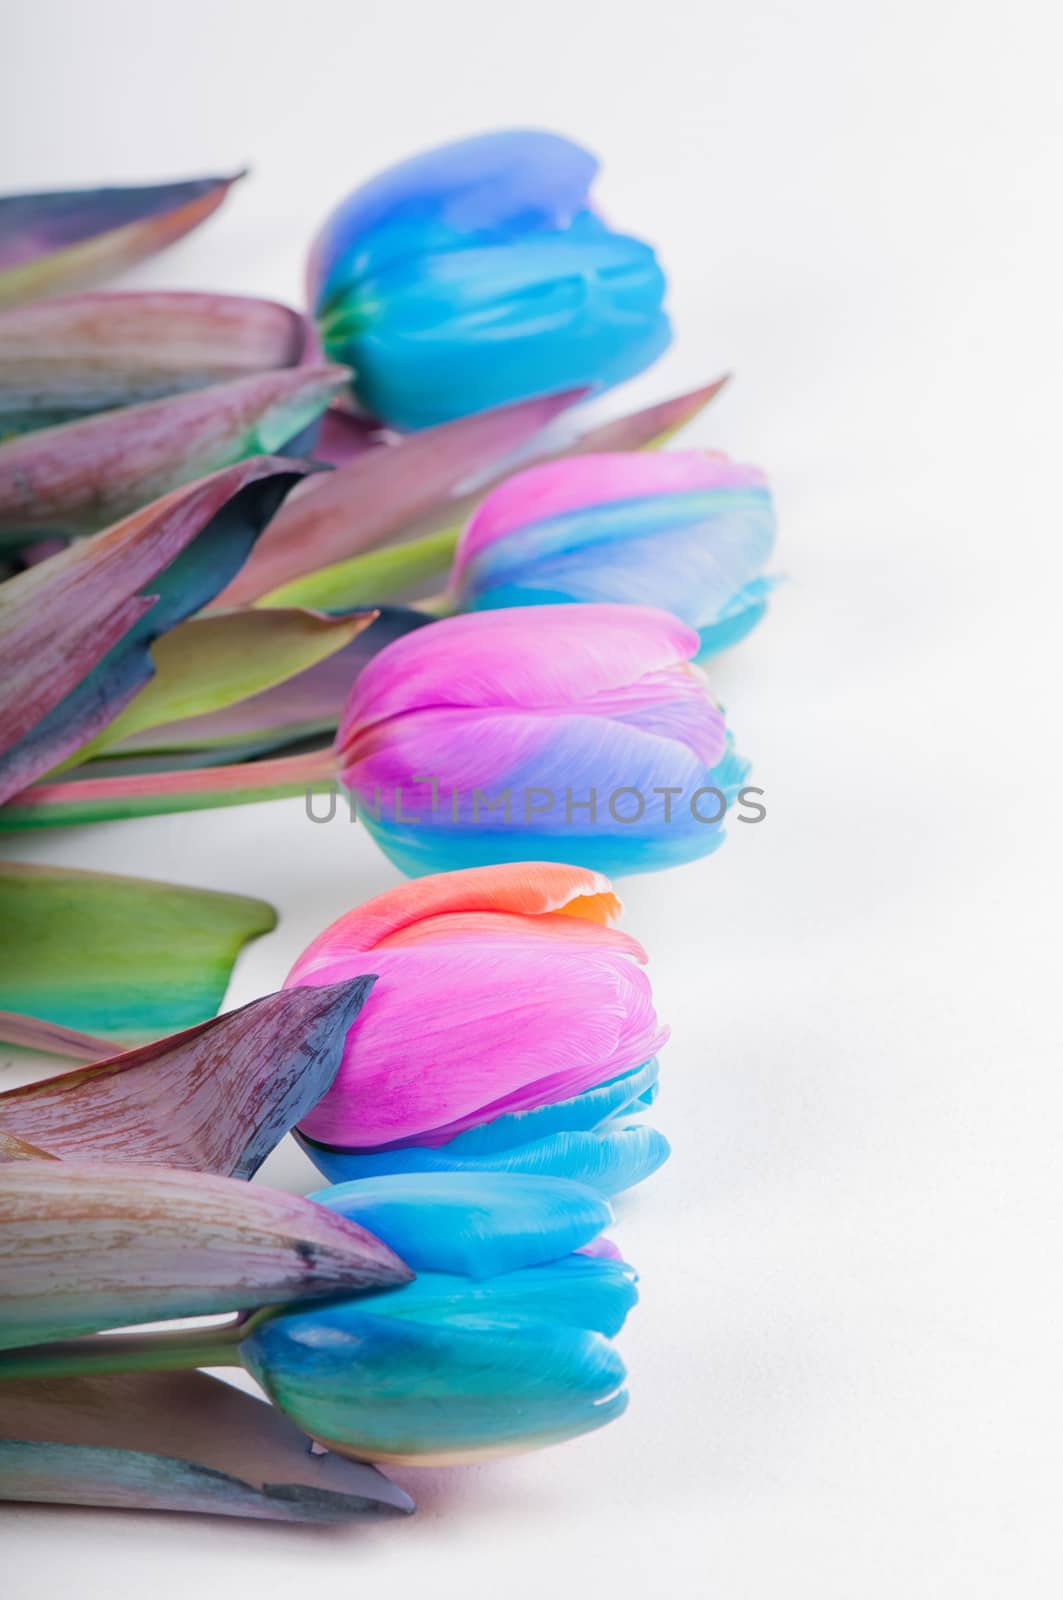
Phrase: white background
pixel 845 1369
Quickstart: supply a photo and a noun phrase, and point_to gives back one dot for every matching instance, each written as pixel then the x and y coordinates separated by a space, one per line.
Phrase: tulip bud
pixel 477 274
pixel 561 733
pixel 501 1344
pixel 510 1029
pixel 687 531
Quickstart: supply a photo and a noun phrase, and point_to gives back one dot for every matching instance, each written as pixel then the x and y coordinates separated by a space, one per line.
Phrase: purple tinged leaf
pixel 86 1246
pixel 48 805
pixel 342 436
pixel 75 631
pixel 652 426
pixel 82 476
pixel 35 1033
pixel 175 1441
pixel 70 238
pixel 217 1097
pixel 62 360
pixel 382 491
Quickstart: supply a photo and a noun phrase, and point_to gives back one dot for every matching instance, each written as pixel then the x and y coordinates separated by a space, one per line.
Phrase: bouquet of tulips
pixel 359 554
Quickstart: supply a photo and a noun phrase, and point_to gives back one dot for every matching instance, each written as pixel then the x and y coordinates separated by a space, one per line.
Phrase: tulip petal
pixel 476 1224
pixel 82 476
pixel 175 1441
pixel 381 492
pixel 393 1390
pixel 695 554
pixel 574 1292
pixel 86 1246
pixel 586 1111
pixel 607 1162
pixel 530 890
pixel 514 178
pixel 217 1097
pixel 55 241
pixel 549 658
pixel 516 1023
pixel 126 957
pixel 75 631
pixel 456 331
pixel 557 765
pixel 61 360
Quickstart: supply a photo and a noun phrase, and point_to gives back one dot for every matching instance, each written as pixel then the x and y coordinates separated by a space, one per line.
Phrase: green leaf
pixel 129 958
pixel 211 662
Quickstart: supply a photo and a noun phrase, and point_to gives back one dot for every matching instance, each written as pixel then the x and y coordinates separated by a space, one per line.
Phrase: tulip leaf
pixel 76 630
pixel 382 491
pixel 35 1033
pixel 61 360
pixel 213 662
pixel 126 958
pixel 82 476
pixel 12 1149
pixel 86 1246
pixel 646 429
pixel 50 805
pixel 217 1097
pixel 392 572
pixel 175 1441
pixel 62 240
pixel 308 703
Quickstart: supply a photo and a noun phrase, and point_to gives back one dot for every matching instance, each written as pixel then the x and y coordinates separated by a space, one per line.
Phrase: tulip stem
pixel 174 1350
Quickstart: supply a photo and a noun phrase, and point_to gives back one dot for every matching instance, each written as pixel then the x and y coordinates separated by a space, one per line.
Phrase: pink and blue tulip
pixel 510 1029
pixel 687 531
pixel 573 733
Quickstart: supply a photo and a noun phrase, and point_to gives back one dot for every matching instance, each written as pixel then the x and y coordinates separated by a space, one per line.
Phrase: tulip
pixel 477 274
pixel 689 532
pixel 567 733
pixel 501 1343
pixel 510 1029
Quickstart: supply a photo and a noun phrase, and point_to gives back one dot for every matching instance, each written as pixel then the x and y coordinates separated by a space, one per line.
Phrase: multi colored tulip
pixel 688 531
pixel 479 273
pixel 500 1344
pixel 578 733
pixel 542 1040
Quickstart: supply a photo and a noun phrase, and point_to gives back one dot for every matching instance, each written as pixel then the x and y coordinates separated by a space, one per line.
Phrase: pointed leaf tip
pixel 86 1246
pixel 216 1098
pixel 176 1441
pixel 69 238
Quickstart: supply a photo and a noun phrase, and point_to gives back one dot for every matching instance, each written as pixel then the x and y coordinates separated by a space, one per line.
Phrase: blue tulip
pixel 477 274
pixel 500 1344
